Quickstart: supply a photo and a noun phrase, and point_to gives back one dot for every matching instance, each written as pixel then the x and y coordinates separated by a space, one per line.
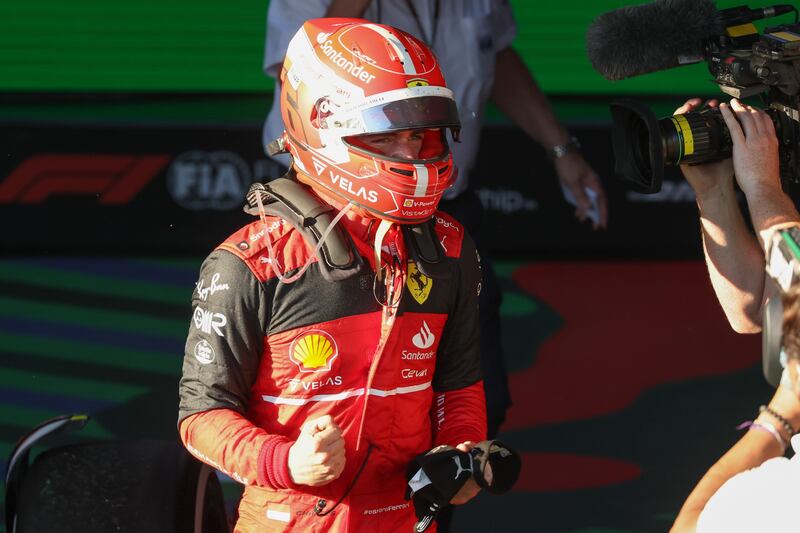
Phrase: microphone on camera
pixel 650 37
pixel 733 16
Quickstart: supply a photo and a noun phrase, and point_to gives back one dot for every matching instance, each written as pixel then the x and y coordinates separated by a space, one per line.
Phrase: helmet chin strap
pixel 272 258
pixel 380 234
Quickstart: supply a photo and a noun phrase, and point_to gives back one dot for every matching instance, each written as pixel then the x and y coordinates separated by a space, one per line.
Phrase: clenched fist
pixel 317 456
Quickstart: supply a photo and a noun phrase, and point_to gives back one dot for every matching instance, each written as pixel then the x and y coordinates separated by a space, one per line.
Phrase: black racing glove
pixel 435 477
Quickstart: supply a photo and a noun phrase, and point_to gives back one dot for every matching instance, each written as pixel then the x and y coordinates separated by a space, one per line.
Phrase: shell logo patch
pixel 313 351
pixel 418 284
pixel 417 82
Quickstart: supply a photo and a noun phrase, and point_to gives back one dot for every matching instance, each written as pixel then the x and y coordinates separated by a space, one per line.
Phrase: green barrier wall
pixel 212 46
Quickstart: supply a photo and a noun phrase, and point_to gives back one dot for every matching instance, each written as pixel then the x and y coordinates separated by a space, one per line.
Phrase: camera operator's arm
pixel 734 257
pixel 517 94
pixel 757 168
pixel 750 451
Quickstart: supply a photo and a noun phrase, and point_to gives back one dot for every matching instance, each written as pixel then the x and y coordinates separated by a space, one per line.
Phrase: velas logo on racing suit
pixel 424 338
pixel 313 351
pixel 419 285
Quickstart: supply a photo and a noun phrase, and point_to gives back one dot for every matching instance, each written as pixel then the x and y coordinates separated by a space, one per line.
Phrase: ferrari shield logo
pixel 417 82
pixel 419 285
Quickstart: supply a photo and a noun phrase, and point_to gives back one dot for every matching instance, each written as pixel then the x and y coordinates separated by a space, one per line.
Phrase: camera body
pixel 744 64
pixel 783 265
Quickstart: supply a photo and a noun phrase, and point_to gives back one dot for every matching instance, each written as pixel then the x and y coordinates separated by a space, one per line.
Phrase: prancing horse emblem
pixel 419 285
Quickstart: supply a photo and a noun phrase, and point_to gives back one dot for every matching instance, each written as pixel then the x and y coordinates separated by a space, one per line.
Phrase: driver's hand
pixel 317 457
pixel 470 489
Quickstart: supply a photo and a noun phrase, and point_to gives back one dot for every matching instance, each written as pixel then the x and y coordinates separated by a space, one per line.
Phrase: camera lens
pixel 693 138
pixel 644 144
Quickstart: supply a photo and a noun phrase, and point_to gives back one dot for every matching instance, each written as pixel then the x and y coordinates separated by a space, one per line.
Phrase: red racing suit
pixel 262 357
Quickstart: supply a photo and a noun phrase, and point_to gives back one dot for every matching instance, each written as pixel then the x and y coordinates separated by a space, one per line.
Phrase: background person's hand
pixel 318 455
pixel 705 179
pixel 576 175
pixel 470 488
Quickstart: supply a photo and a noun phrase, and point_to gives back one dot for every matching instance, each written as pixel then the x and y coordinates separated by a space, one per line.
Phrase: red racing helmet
pixel 346 78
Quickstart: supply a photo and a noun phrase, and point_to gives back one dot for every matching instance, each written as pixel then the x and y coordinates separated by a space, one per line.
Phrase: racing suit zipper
pixel 394 282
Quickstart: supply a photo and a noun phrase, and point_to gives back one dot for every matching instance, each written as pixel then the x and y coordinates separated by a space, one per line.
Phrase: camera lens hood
pixel 637 143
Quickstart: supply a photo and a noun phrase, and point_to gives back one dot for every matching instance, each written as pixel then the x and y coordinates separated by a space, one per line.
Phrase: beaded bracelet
pixel 780 418
pixel 765 426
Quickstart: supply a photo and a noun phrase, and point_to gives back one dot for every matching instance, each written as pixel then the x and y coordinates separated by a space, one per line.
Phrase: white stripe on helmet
pixel 421 172
pixel 399 48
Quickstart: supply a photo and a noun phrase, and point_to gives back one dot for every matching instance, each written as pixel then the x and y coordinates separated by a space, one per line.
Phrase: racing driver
pixel 312 380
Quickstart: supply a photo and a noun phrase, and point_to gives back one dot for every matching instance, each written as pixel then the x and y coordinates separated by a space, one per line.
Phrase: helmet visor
pixel 412 113
pixel 418 145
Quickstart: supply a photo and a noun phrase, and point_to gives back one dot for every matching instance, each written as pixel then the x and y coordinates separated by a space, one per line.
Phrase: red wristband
pixel 273 463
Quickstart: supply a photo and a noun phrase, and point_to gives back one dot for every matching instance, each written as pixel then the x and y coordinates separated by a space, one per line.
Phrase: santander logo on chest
pixel 422 340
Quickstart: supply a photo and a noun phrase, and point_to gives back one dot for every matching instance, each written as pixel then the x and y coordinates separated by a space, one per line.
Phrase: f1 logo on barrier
pixel 114 178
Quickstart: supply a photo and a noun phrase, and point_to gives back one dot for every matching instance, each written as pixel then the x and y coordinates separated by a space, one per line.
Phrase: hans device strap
pixel 338 260
pixel 425 249
pixel 287 199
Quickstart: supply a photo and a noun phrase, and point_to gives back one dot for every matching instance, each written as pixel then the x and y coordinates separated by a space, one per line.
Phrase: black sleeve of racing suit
pixel 458 360
pixel 226 337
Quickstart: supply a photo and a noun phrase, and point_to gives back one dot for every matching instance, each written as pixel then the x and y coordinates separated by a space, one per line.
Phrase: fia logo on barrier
pixel 208 180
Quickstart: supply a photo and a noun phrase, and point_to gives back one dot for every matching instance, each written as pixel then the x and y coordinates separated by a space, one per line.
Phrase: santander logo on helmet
pixel 366 112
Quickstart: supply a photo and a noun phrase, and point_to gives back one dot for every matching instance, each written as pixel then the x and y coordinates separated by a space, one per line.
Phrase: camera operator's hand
pixel 317 457
pixel 755 148
pixel 706 179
